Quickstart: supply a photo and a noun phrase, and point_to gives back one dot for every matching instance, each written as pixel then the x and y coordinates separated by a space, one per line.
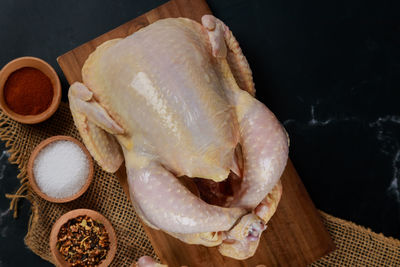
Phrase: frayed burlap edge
pixel 18 157
pixel 7 136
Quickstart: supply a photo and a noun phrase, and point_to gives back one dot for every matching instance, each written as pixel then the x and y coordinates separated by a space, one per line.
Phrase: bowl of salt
pixel 60 169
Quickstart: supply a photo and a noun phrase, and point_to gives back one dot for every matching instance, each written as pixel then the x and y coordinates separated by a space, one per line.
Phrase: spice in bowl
pixel 61 169
pixel 83 241
pixel 28 91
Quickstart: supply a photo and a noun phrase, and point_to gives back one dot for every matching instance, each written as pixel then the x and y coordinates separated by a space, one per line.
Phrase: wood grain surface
pixel 295 236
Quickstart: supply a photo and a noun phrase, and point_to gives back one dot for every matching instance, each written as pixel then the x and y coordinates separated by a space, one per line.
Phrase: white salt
pixel 61 169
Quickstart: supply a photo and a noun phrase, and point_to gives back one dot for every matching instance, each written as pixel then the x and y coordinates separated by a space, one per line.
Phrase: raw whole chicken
pixel 175 100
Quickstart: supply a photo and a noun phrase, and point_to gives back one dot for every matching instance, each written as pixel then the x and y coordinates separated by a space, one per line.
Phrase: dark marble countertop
pixel 330 70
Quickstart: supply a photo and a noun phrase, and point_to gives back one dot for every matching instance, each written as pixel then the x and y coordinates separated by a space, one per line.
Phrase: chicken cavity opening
pixel 218 193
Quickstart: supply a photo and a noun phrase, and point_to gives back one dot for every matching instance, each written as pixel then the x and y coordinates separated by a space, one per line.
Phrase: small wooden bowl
pixel 73 214
pixel 44 67
pixel 31 176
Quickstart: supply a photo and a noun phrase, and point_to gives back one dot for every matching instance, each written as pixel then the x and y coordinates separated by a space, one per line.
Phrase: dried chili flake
pixel 83 242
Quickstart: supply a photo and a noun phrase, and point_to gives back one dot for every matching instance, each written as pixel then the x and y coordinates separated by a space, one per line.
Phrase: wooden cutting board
pixel 295 236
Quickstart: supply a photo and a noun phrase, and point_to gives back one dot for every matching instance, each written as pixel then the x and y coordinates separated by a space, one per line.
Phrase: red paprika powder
pixel 28 91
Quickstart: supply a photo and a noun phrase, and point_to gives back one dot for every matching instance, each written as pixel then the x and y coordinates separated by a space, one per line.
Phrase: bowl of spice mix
pixel 30 90
pixel 83 237
pixel 60 169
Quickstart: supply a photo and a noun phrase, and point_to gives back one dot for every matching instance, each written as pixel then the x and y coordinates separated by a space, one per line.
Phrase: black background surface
pixel 330 70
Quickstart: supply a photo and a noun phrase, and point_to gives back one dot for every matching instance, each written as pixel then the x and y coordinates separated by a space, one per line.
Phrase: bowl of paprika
pixel 30 90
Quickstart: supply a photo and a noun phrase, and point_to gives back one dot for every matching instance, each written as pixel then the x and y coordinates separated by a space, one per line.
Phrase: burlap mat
pixel 356 245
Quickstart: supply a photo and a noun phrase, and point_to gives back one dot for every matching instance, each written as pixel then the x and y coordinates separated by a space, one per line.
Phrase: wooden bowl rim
pixel 33 156
pixel 41 65
pixel 73 214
